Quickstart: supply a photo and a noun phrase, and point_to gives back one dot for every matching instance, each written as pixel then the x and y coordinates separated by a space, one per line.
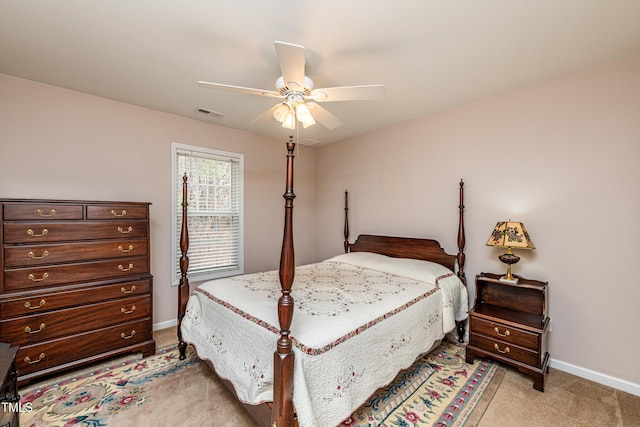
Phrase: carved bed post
pixel 461 236
pixel 461 255
pixel 282 412
pixel 183 289
pixel 346 221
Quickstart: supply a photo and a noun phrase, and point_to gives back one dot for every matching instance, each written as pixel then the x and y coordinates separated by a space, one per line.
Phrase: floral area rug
pixel 439 389
pixel 94 397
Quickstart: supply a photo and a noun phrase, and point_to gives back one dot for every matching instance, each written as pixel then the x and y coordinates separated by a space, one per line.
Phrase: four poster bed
pixel 360 318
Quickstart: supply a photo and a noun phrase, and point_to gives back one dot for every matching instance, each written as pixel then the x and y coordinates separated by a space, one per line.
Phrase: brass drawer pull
pixel 34 256
pixel 121 268
pixel 52 212
pixel 32 362
pixel 124 291
pixel 506 333
pixel 31 233
pixel 33 278
pixel 30 331
pixel 505 351
pixel 127 231
pixel 126 337
pixel 121 249
pixel 124 310
pixel 114 213
pixel 30 307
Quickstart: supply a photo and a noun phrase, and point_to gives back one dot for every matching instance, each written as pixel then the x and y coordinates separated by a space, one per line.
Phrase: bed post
pixel 461 255
pixel 346 221
pixel 461 236
pixel 282 412
pixel 183 289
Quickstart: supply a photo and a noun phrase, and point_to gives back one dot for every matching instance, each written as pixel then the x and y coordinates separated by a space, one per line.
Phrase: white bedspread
pixel 359 318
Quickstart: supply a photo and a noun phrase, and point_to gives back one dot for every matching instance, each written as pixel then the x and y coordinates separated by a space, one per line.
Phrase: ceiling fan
pixel 300 96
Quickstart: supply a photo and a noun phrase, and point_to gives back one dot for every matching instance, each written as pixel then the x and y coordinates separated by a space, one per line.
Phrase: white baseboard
pixel 597 377
pixel 165 325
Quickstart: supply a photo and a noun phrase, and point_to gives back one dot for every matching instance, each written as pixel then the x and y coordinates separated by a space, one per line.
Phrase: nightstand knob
pixel 506 349
pixel 506 333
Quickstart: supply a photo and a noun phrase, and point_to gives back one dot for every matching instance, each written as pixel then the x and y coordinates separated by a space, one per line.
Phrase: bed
pixel 360 318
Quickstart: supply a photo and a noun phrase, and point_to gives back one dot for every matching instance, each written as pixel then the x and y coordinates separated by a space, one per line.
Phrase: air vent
pixel 308 142
pixel 210 113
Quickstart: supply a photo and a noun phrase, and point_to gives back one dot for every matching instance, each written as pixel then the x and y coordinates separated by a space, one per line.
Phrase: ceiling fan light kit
pixel 304 115
pixel 292 110
pixel 281 112
pixel 296 88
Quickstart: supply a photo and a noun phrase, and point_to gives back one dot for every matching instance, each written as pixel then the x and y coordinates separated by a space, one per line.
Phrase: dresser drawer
pixel 37 232
pixel 505 333
pixel 32 277
pixel 42 302
pixel 41 212
pixel 36 255
pixel 116 212
pixel 505 349
pixel 57 352
pixel 40 327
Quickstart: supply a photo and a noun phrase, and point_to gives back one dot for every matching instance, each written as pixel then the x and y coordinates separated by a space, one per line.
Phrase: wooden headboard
pixel 410 247
pixel 404 247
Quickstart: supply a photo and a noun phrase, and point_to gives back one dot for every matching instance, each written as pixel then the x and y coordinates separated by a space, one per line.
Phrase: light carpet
pixel 439 389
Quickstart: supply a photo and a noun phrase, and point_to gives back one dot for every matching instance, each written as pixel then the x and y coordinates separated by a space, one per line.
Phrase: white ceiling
pixel 430 54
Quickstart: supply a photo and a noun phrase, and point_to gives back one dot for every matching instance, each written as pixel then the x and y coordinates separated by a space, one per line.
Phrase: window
pixel 215 195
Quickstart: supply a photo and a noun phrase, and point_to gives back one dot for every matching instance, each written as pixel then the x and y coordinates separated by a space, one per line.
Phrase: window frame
pixel 176 175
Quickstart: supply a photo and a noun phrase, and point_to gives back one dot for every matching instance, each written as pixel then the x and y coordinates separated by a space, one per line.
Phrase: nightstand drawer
pixel 505 333
pixel 504 349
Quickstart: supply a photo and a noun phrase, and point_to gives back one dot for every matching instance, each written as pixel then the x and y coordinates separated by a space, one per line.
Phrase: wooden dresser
pixel 76 284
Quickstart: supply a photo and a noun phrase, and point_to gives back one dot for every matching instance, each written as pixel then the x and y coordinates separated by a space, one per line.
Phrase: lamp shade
pixel 281 112
pixel 510 234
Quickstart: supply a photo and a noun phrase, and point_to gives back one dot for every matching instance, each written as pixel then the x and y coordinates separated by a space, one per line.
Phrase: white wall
pixel 60 144
pixel 561 156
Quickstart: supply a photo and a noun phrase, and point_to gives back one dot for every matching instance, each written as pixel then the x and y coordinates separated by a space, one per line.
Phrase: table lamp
pixel 510 235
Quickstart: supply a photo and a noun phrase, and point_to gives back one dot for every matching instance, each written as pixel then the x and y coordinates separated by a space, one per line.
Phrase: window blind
pixel 214 212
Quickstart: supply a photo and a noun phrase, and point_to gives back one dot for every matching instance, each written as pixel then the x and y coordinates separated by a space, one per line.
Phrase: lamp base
pixel 509 258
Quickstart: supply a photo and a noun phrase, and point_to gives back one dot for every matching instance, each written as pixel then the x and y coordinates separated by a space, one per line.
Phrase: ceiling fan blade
pixel 247 90
pixel 347 93
pixel 265 117
pixel 321 115
pixel 291 59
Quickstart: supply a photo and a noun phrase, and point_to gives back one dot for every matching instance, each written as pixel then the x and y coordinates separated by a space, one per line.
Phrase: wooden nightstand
pixel 508 322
